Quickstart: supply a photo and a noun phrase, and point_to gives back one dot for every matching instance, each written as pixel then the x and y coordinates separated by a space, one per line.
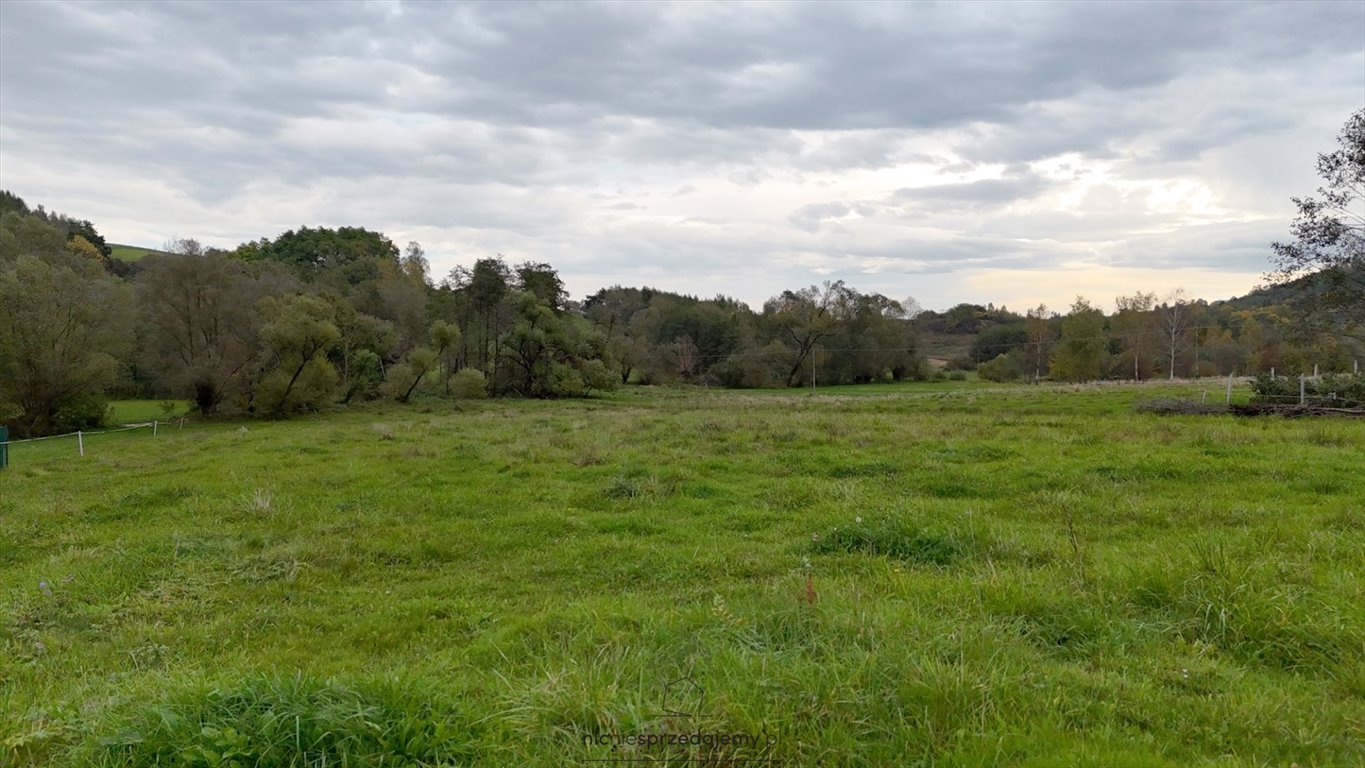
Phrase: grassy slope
pixel 1068 583
pixel 129 252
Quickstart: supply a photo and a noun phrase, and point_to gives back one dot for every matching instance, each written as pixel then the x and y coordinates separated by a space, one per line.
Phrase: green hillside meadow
pixel 130 253
pixel 889 575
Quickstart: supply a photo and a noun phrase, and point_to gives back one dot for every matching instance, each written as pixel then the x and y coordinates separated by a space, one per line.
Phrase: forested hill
pixel 1288 293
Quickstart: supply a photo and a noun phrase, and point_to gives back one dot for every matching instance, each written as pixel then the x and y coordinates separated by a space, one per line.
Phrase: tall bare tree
pixel 1039 330
pixel 1174 317
pixel 1132 322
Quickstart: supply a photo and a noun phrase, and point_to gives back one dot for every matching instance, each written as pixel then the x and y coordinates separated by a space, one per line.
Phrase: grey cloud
pixel 972 195
pixel 499 123
pixel 811 217
pixel 814 66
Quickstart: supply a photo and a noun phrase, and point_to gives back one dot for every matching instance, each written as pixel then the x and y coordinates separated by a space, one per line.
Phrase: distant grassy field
pixel 130 252
pixel 128 411
pixel 936 575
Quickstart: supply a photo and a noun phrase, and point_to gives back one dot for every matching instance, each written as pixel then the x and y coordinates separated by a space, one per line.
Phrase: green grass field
pixel 129 253
pixel 936 575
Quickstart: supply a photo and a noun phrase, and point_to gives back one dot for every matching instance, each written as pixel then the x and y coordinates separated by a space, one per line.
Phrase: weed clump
pixel 896 538
pixel 291 722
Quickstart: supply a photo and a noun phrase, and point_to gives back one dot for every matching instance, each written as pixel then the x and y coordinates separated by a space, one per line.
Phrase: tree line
pixel 318 316
pixel 1143 338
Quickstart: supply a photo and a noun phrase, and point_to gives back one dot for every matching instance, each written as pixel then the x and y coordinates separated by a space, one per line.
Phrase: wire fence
pixel 1317 389
pixel 155 425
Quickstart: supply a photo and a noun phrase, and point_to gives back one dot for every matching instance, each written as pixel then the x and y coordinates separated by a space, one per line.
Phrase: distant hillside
pixel 1281 294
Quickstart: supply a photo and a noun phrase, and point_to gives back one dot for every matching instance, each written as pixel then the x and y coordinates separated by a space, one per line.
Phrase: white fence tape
pixel 81 433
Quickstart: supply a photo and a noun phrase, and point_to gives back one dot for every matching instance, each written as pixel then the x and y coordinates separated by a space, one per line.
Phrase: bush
pixel 80 413
pixel 312 389
pixel 1332 390
pixel 407 377
pixel 367 376
pixel 597 377
pixel 469 384
pixel 1002 368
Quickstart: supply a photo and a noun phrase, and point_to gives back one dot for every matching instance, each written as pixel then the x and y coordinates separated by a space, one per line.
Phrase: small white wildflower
pixel 858 519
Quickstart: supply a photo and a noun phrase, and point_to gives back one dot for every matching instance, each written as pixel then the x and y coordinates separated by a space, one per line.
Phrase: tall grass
pixel 928 576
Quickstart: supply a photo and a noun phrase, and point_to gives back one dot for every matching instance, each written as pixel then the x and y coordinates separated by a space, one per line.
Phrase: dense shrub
pixel 1001 368
pixel 1340 390
pixel 86 412
pixel 469 384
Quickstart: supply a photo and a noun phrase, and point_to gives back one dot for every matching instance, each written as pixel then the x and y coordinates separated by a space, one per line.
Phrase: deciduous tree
pixel 1133 324
pixel 64 325
pixel 200 322
pixel 1329 239
pixel 1080 354
pixel 298 331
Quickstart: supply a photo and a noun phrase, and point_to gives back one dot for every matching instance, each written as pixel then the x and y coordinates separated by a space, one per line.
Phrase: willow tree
pixel 64 327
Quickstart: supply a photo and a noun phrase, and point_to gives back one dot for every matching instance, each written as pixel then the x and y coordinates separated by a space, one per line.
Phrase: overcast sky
pixel 1009 153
